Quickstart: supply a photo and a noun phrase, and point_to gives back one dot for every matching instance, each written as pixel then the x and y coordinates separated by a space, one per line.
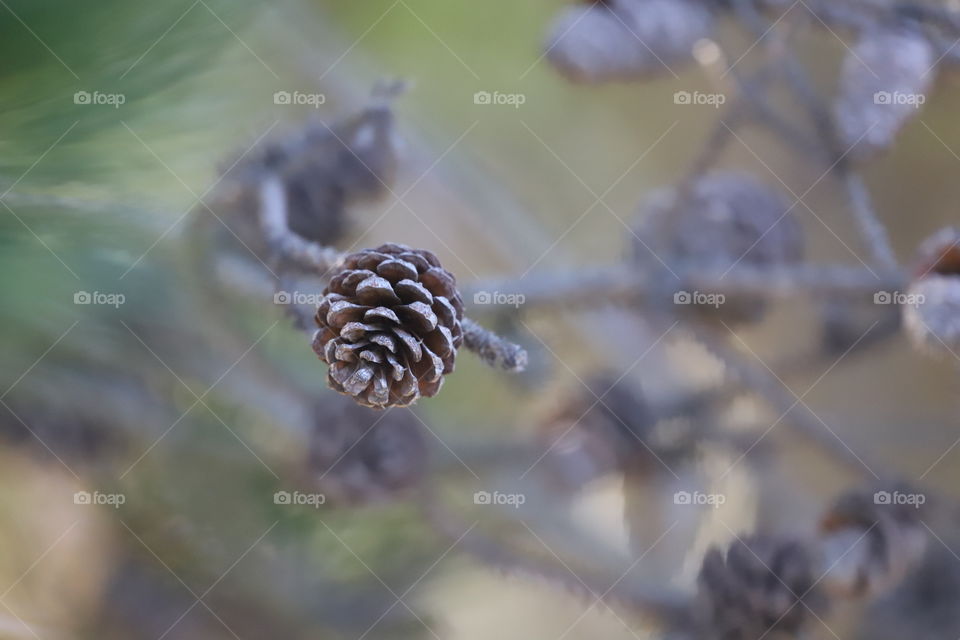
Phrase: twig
pixel 627 285
pixel 492 349
pixel 287 246
pixel 872 230
pixel 769 388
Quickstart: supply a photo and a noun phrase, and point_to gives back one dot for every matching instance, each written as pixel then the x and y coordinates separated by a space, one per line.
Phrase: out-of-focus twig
pixel 626 285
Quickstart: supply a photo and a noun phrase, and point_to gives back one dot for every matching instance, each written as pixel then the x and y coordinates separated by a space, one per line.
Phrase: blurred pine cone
pixel 358 455
pixel 625 39
pixel 931 308
pixel 323 170
pixel 589 438
pixel 354 159
pixel 389 326
pixel 883 82
pixel 760 588
pixel 925 605
pixel 871 542
pixel 727 220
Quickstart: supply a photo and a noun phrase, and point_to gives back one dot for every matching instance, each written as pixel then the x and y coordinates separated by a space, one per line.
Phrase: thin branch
pixel 494 350
pixel 287 246
pixel 627 285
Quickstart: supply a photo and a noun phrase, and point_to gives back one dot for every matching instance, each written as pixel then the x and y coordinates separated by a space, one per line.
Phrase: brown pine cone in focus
pixel 755 589
pixel 389 326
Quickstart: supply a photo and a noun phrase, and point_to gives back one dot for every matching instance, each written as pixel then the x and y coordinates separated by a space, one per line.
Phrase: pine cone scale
pixel 411 291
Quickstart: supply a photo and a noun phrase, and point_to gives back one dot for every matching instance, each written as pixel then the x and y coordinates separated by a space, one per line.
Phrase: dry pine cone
pixel 359 456
pixel 389 326
pixel 871 542
pixel 884 80
pixel 626 39
pixel 728 219
pixel 931 306
pixel 761 587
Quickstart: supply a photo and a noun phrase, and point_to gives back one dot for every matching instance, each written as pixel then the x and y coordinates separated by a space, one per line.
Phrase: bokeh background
pixel 168 399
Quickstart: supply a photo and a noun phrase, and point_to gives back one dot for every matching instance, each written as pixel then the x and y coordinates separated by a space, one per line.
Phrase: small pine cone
pixel 729 219
pixel 925 605
pixel 761 588
pixel 359 456
pixel 939 254
pixel 389 326
pixel 871 542
pixel 883 82
pixel 931 309
pixel 323 170
pixel 587 439
pixel 626 39
pixel 330 168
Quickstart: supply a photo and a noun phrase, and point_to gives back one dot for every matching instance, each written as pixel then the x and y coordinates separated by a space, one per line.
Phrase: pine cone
pixel 925 605
pixel 883 83
pixel 389 326
pixel 871 542
pixel 728 219
pixel 931 307
pixel 324 170
pixel 623 39
pixel 359 456
pixel 587 439
pixel 755 590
